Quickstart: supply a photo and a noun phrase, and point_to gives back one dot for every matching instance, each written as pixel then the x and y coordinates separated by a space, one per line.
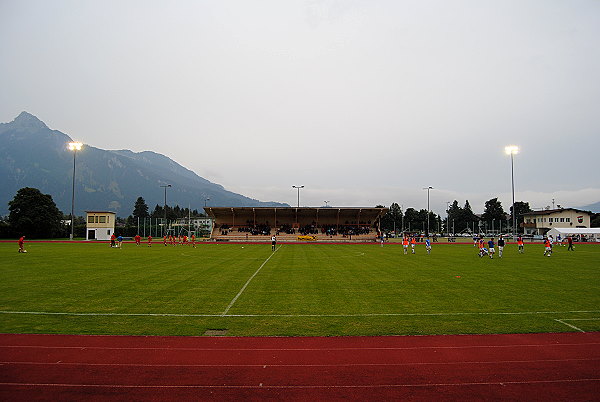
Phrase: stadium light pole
pixel 73 146
pixel 512 150
pixel 298 187
pixel 428 188
pixel 448 216
pixel 165 186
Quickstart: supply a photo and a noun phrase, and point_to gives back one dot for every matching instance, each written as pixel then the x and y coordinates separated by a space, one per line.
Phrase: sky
pixel 362 102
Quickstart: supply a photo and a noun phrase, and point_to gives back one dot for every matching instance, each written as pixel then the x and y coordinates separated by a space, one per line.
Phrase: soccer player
pixel 570 243
pixel 547 247
pixel 491 247
pixel 113 239
pixel 428 245
pixel 382 239
pixel 520 244
pixel 165 240
pixel 149 241
pixel 500 246
pixel 482 250
pixel 194 240
pixel 405 244
pixel 273 242
pixel 22 244
pixel 119 241
pixel 413 242
pixel 138 240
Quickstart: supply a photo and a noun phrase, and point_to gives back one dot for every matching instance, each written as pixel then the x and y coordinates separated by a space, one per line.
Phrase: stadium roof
pixel 302 215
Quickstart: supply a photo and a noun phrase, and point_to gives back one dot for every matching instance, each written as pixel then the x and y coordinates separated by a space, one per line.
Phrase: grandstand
pixel 322 224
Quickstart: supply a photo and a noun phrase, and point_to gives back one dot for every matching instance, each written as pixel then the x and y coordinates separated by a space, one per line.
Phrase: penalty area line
pixel 562 321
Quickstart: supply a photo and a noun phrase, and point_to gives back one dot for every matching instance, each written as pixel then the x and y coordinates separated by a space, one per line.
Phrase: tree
pixel 493 210
pixel 468 217
pixel 521 207
pixel 595 221
pixel 140 209
pixel 34 214
pixel 392 219
pixel 411 220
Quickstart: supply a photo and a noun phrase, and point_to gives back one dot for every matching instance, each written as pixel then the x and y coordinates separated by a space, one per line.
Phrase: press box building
pixel 100 225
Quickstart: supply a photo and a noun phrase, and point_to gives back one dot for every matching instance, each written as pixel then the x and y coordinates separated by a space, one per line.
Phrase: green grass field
pixel 302 289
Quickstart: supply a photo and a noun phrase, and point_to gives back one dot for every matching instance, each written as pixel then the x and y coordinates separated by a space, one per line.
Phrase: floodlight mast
pixel 428 188
pixel 165 186
pixel 73 146
pixel 512 150
pixel 298 187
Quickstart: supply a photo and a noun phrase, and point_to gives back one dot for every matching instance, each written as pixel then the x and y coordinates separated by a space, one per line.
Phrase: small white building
pixel 591 234
pixel 100 225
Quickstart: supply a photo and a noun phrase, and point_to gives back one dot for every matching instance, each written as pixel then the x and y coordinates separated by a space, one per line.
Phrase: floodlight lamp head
pixel 511 150
pixel 75 146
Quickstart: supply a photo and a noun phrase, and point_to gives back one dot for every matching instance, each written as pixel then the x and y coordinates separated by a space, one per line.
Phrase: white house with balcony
pixel 540 222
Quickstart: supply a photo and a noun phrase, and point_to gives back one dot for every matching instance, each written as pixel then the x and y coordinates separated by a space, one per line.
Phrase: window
pixel 562 219
pixel 90 219
pixel 103 219
pixel 568 219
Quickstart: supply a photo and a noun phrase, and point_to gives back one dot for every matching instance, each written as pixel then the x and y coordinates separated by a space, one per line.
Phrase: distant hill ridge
pixel 33 155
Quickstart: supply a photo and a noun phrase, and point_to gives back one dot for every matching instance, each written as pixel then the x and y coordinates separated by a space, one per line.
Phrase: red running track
pixel 545 367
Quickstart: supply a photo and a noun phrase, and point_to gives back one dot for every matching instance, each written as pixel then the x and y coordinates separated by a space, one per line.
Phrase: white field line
pixel 569 325
pixel 562 321
pixel 261 386
pixel 248 282
pixel 296 315
pixel 537 361
pixel 329 349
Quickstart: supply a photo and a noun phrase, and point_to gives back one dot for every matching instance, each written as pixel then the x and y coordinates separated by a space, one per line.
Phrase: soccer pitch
pixel 299 290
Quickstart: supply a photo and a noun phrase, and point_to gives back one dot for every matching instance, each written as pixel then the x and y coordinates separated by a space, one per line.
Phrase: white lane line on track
pixel 301 365
pixel 501 383
pixel 248 282
pixel 552 345
pixel 297 315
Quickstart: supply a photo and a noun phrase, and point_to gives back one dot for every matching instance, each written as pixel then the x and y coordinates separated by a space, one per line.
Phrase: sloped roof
pixel 553 211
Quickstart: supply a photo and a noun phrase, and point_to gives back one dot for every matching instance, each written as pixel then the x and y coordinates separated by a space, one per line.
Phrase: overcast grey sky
pixel 363 102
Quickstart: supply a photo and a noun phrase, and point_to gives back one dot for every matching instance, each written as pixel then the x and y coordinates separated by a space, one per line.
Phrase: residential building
pixel 540 222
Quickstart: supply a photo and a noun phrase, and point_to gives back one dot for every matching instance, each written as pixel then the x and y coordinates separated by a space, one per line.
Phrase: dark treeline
pixel 35 215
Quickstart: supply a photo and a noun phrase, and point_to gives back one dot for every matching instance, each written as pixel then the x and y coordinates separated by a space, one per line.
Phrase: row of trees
pixel 459 219
pixel 36 215
pixel 140 210
pixel 409 220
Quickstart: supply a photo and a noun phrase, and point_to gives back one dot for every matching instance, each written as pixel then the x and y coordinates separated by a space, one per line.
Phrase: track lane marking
pixel 299 365
pixel 298 349
pixel 501 383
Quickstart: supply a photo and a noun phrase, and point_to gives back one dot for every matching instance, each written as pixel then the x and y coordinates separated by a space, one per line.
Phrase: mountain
pixel 33 155
pixel 595 207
